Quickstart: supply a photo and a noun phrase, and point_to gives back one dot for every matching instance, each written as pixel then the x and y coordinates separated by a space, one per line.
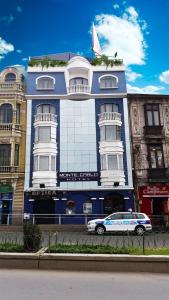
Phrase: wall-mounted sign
pixel 33 194
pixel 154 190
pixel 78 176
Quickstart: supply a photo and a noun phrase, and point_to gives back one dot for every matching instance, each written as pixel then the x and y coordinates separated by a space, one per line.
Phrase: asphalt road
pixel 44 285
pixel 156 240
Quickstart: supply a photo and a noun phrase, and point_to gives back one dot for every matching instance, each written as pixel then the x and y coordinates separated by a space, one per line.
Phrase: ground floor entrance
pixel 75 207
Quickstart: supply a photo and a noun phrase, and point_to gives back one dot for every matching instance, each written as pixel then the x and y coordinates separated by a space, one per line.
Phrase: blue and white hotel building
pixel 78 158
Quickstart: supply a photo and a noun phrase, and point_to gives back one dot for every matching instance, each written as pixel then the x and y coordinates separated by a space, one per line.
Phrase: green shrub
pixel 32 237
pixel 88 249
pixel 7 247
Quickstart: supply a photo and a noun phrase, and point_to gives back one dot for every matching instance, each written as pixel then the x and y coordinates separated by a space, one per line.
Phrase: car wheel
pixel 100 230
pixel 140 230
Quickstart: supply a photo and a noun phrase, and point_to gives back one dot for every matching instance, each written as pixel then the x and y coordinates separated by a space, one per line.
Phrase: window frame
pixel 109 87
pixel 104 105
pixel 37 134
pixel 44 88
pixel 5 155
pixel 157 147
pixel 6 113
pixel 149 107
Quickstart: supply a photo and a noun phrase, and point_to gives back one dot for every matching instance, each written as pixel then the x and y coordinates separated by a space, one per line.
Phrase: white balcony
pixel 45 117
pixel 110 116
pixel 78 89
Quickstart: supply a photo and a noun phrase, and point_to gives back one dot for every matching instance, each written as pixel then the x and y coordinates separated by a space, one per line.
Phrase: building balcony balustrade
pixel 110 116
pixel 78 89
pixel 9 169
pixel 158 175
pixel 10 127
pixel 45 117
pixel 153 131
pixel 11 87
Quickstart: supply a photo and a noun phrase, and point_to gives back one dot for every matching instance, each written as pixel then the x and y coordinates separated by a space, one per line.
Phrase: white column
pixel 28 143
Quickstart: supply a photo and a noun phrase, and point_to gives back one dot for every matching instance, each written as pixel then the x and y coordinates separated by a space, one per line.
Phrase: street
pixel 44 285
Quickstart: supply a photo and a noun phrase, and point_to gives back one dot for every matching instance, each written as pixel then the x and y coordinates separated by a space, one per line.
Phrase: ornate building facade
pixel 149 125
pixel 12 144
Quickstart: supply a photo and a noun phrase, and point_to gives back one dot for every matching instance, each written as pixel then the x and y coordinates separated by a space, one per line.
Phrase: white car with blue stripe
pixel 121 221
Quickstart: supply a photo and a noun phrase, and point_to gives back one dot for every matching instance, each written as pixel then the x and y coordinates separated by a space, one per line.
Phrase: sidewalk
pixel 85 262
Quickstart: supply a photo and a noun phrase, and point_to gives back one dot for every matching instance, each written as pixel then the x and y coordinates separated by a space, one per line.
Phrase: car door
pixel 129 221
pixel 114 222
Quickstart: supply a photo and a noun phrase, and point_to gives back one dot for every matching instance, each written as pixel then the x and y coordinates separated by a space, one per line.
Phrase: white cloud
pixel 19 9
pixel 19 51
pixel 148 89
pixel 123 34
pixel 132 76
pixel 24 59
pixel 8 19
pixel 5 48
pixel 116 6
pixel 164 77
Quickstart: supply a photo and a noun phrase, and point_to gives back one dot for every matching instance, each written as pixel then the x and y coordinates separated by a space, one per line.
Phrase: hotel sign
pixel 78 176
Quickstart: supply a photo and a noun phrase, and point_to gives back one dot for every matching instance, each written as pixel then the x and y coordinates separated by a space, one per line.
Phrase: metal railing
pixel 109 116
pixel 11 86
pixel 45 117
pixel 78 88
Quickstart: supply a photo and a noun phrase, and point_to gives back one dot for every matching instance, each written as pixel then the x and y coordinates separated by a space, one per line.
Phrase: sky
pixel 136 29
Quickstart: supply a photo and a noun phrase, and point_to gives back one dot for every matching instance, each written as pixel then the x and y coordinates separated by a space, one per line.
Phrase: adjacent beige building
pixel 12 144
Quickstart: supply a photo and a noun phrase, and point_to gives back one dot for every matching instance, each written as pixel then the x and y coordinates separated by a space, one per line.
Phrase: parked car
pixel 121 221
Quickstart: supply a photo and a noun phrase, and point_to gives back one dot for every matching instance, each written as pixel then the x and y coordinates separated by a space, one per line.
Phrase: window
pixel 43 163
pixel 35 163
pixel 129 216
pixel 43 134
pixel 108 82
pixel 53 163
pixel 152 115
pixel 45 109
pixel 45 83
pixel 16 158
pixel 78 80
pixel 18 110
pixel 140 216
pixel 109 108
pixel 110 133
pixel 115 217
pixel 10 77
pixel 111 162
pixel 6 113
pixel 5 155
pixel 156 156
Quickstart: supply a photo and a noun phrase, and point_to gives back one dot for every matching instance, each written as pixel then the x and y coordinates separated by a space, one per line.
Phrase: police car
pixel 121 221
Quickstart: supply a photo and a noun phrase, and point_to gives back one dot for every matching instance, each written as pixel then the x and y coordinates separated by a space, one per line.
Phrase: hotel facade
pixel 78 159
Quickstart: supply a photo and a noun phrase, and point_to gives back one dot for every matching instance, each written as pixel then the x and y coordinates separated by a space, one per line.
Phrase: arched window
pixel 6 113
pixel 45 83
pixel 10 77
pixel 108 82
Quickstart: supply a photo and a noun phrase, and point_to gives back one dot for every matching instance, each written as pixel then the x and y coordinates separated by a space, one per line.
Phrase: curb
pixel 85 262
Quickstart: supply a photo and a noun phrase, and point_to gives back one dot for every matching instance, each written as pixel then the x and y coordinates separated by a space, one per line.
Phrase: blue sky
pixel 136 29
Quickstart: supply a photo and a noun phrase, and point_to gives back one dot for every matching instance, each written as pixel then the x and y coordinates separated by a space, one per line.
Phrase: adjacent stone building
pixel 12 144
pixel 149 125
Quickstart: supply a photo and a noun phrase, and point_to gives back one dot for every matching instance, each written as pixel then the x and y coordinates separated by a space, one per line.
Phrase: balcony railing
pixel 153 130
pixel 109 116
pixel 12 86
pixel 158 174
pixel 78 89
pixel 8 169
pixel 10 127
pixel 45 117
